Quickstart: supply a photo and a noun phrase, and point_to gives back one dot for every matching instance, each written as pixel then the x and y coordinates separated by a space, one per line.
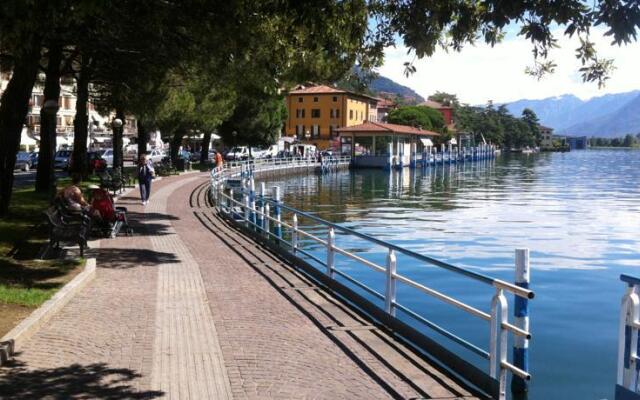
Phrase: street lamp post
pixel 235 135
pixel 116 126
pixel 307 135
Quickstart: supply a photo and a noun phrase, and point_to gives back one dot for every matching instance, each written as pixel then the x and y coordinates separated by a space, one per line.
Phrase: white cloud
pixel 481 73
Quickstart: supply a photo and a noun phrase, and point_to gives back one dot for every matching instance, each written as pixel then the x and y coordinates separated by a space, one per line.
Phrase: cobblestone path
pixel 189 308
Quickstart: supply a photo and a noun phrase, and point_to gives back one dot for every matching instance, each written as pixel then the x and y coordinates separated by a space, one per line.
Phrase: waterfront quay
pixel 191 308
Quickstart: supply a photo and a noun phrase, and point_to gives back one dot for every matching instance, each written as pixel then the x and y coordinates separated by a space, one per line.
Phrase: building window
pixel 300 131
pixel 337 113
pixel 300 113
pixel 332 131
pixel 335 98
pixel 350 114
pixel 315 99
pixel 315 131
pixel 299 99
pixel 315 113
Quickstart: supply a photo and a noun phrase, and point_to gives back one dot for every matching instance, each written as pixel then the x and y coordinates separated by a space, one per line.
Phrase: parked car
pixel 62 158
pixel 34 159
pixel 95 162
pixel 272 151
pixel 156 156
pixel 257 152
pixel 237 153
pixel 23 161
pixel 195 156
pixel 107 156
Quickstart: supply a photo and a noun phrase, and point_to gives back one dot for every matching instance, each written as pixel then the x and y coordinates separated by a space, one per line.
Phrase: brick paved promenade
pixel 190 309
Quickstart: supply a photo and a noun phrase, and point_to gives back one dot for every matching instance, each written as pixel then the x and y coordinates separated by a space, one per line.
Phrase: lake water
pixel 578 213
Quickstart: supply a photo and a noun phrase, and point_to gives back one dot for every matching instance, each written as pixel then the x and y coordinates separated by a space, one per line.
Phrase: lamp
pixel 307 135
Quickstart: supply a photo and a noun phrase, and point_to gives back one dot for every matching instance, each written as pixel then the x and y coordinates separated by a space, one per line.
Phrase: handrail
pixel 256 210
pixel 517 290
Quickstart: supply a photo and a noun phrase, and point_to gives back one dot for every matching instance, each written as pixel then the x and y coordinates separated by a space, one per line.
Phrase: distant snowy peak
pixel 599 116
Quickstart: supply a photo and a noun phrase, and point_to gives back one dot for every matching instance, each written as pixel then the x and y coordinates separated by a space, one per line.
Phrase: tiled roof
pixel 318 89
pixel 433 104
pixel 382 127
pixel 324 89
pixel 385 103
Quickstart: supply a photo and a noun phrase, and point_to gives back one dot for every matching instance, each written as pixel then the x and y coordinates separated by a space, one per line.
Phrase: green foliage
pixel 628 140
pixel 446 99
pixel 418 116
pixel 498 126
pixel 426 26
pixel 257 120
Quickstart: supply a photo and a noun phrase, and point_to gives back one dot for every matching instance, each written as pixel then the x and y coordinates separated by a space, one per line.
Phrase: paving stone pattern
pixel 189 308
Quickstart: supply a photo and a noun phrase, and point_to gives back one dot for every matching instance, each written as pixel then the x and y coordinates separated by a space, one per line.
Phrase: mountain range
pixel 385 85
pixel 611 115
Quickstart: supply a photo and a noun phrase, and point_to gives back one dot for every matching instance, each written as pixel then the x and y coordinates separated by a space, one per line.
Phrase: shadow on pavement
pixel 130 258
pixel 94 381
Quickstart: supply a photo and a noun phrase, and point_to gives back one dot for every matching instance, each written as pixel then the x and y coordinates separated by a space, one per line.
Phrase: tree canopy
pixel 418 116
pixel 498 126
pixel 137 56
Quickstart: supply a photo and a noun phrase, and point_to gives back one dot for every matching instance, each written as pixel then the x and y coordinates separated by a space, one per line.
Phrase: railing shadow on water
pixel 234 194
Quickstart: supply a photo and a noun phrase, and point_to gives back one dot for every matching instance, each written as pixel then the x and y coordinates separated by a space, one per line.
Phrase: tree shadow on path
pixel 116 258
pixel 93 381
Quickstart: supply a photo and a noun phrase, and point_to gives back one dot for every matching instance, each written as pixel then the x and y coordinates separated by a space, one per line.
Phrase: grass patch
pixel 31 297
pixel 24 280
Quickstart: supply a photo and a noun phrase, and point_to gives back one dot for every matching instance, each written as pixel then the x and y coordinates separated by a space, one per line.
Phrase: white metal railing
pixel 264 215
pixel 627 383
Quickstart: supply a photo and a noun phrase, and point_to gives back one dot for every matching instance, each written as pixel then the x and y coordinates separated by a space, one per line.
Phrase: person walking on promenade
pixel 145 174
pixel 218 160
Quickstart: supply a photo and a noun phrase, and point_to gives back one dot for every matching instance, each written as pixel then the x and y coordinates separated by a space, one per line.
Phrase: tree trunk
pixel 117 140
pixel 143 138
pixel 14 106
pixel 45 178
pixel 204 153
pixel 176 140
pixel 81 124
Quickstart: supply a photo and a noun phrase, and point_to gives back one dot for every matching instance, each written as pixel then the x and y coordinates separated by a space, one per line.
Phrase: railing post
pixel 498 341
pixel 230 202
pixel 245 203
pixel 331 242
pixel 390 295
pixel 294 234
pixel 260 204
pixel 252 201
pixel 277 212
pixel 521 314
pixel 628 339
pixel 266 220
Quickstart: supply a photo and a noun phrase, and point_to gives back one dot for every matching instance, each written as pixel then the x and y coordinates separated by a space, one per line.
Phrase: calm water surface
pixel 578 212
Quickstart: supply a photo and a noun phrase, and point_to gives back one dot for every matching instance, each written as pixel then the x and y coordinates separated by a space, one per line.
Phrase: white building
pixel 100 134
pixel 547 137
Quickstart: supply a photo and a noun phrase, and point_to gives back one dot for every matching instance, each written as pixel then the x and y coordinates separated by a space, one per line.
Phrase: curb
pixel 12 341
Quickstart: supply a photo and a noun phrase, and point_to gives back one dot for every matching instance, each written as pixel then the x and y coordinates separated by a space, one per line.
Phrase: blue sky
pixel 481 73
